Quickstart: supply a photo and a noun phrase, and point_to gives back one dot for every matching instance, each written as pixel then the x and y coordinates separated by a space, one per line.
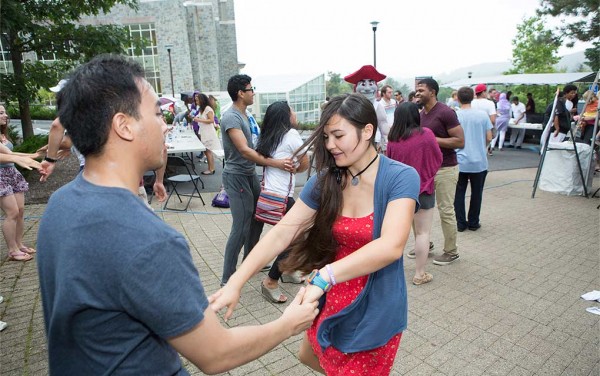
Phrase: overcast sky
pixel 413 38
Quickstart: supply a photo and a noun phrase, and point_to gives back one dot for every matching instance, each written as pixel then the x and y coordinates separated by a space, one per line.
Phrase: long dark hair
pixel 276 124
pixel 314 247
pixel 406 121
pixel 204 102
pixel 4 127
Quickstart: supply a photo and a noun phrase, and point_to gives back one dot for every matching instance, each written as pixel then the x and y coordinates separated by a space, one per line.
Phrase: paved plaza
pixel 510 306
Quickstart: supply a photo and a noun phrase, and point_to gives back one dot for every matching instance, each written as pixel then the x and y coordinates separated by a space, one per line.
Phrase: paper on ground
pixel 592 295
pixel 594 310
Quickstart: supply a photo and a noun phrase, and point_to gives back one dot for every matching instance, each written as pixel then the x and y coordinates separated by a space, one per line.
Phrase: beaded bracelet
pixel 330 272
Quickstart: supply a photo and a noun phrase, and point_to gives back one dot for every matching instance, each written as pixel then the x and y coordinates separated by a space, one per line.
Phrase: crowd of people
pixel 134 300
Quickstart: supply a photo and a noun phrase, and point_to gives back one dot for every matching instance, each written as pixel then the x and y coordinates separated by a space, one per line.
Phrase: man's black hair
pixel 431 84
pixel 94 94
pixel 237 83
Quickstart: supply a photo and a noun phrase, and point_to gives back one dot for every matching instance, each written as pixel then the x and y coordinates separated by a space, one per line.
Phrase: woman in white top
pixel 205 117
pixel 279 140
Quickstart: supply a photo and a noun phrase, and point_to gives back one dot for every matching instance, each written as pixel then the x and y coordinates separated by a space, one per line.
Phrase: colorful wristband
pixel 330 272
pixel 314 278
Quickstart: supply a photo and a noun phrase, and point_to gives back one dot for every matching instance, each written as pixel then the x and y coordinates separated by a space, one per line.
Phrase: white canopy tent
pixel 525 79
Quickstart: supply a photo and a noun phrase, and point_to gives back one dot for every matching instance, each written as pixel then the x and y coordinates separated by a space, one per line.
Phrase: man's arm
pixel 55 137
pixel 240 143
pixel 488 136
pixel 159 188
pixel 215 349
pixel 456 139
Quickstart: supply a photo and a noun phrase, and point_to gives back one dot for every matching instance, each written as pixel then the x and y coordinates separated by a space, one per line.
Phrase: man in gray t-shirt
pixel 239 175
pixel 130 301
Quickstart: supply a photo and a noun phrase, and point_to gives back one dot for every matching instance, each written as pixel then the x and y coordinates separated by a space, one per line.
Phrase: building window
pixel 5 60
pixel 148 55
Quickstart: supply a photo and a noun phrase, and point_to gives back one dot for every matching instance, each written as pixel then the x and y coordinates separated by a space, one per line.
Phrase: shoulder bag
pixel 271 206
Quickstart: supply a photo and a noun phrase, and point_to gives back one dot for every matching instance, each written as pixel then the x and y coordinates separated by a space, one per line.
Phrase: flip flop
pixel 28 250
pixel 273 295
pixel 19 256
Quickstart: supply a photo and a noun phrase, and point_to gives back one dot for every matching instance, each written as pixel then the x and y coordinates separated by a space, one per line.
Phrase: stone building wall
pixel 203 42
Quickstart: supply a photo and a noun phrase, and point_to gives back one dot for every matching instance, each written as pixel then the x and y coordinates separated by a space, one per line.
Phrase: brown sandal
pixel 19 256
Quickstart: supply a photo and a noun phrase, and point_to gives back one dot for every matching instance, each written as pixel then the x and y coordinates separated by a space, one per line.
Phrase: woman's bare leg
pixel 307 356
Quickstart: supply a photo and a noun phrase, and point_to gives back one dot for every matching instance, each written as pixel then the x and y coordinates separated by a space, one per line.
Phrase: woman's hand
pixel 227 296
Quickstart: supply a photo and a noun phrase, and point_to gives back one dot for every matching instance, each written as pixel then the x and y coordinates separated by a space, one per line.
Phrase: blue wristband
pixel 314 278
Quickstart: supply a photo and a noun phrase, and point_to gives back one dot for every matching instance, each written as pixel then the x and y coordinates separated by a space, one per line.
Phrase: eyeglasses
pixel 251 89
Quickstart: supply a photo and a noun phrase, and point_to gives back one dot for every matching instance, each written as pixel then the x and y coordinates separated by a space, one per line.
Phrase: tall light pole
pixel 374 24
pixel 169 46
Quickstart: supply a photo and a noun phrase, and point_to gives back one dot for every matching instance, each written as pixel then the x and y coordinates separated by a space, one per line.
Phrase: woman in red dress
pixel 348 230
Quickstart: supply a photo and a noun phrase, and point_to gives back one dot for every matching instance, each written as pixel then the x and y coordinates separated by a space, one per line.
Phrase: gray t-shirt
pixel 235 163
pixel 116 283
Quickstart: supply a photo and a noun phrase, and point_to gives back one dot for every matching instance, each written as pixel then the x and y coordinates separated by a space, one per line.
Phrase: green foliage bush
pixel 38 112
pixel 169 117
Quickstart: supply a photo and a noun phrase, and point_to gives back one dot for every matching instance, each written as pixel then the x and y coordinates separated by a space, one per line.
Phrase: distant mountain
pixel 570 63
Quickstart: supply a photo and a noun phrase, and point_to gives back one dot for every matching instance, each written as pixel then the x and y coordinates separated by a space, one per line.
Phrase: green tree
pixel 335 85
pixel 48 28
pixel 404 89
pixel 535 49
pixel 582 24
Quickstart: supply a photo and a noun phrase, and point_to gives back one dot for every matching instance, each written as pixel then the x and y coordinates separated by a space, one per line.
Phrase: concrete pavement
pixel 510 306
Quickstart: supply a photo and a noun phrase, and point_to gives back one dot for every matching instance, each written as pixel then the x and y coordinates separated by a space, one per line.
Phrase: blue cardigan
pixel 380 311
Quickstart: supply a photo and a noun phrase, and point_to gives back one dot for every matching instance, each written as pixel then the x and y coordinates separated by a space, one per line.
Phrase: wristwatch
pixel 314 278
pixel 51 160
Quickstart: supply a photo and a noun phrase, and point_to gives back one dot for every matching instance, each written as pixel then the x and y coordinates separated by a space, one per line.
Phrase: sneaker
pixel 412 255
pixel 475 228
pixel 427 277
pixel 445 259
pixel 3 325
pixel 1 299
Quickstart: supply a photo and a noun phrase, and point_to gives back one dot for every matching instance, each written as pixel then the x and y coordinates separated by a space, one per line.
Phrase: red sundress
pixel 351 234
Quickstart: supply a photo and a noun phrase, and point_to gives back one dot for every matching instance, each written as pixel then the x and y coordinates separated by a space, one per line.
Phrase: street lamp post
pixel 169 46
pixel 374 24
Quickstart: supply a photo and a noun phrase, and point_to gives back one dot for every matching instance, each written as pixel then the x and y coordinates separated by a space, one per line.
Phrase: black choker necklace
pixel 355 179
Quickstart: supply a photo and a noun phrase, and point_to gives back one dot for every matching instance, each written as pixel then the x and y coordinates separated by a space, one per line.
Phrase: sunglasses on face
pixel 250 89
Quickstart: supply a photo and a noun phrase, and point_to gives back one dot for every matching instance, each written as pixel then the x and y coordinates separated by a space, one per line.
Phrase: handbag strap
pixel 264 176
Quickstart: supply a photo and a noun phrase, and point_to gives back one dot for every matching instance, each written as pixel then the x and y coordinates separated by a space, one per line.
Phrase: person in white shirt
pixel 280 139
pixel 389 105
pixel 518 113
pixel 482 103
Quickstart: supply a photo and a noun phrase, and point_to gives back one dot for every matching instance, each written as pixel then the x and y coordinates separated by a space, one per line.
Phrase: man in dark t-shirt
pixel 442 120
pixel 561 123
pixel 529 107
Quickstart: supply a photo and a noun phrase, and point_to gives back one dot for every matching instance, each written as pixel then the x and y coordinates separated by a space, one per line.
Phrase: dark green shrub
pixel 169 117
pixel 38 112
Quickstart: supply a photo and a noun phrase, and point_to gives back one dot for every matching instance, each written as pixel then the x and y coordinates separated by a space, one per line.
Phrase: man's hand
pixel 46 170
pixel 227 296
pixel 300 314
pixel 285 165
pixel 27 162
pixel 313 294
pixel 159 191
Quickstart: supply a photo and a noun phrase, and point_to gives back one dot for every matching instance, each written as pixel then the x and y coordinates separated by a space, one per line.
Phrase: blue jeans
pixel 243 191
pixel 477 180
